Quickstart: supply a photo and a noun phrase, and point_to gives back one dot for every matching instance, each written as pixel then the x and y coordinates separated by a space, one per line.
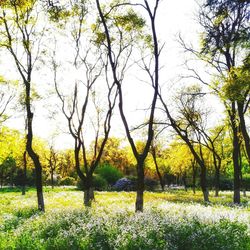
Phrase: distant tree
pixel 52 159
pixel 66 164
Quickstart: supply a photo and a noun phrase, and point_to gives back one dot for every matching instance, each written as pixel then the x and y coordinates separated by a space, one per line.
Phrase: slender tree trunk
pixel 31 152
pixel 244 129
pixel 52 178
pixel 24 173
pixel 184 181
pixel 236 152
pixel 140 186
pixel 157 170
pixel 194 177
pixel 204 187
pixel 236 170
pixel 217 181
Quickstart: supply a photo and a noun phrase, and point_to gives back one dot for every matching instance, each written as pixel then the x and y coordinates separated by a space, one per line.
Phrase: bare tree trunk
pixel 52 178
pixel 244 129
pixel 140 187
pixel 32 154
pixel 203 181
pixel 24 173
pixel 88 191
pixel 236 152
pixel 236 171
pixel 194 176
pixel 217 182
pixel 184 181
pixel 157 170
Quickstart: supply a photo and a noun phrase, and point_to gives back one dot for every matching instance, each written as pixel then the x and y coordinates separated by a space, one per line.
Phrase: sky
pixel 174 17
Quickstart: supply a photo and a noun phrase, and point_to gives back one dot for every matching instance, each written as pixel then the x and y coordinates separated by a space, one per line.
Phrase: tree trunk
pixel 244 129
pixel 237 171
pixel 88 191
pixel 217 182
pixel 194 177
pixel 52 178
pixel 31 152
pixel 24 173
pixel 140 187
pixel 184 181
pixel 157 170
pixel 204 187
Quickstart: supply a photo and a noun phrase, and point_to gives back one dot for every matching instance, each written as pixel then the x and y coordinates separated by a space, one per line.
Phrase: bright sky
pixel 173 17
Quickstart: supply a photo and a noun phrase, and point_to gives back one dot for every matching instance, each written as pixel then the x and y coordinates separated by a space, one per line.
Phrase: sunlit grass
pixel 174 219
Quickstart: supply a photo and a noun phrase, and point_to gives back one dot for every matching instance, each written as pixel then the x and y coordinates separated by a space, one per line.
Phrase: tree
pixel 85 102
pixel 20 36
pixel 131 22
pixel 188 125
pixel 226 32
pixel 52 159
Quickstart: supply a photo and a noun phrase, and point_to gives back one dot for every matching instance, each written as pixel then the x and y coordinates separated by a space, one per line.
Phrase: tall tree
pixel 226 32
pixel 21 37
pixel 83 107
pixel 131 22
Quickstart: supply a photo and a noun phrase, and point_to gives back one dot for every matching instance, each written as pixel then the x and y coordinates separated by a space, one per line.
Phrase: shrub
pixel 109 173
pixel 67 181
pixel 246 182
pixel 226 184
pixel 99 183
pixel 150 184
pixel 124 184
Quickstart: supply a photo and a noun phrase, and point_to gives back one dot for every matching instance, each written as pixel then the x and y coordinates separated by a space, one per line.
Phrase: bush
pixel 246 182
pixel 124 184
pixel 99 183
pixel 226 184
pixel 67 181
pixel 109 173
pixel 150 184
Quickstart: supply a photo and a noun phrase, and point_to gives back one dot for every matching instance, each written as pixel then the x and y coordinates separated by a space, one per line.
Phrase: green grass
pixel 171 220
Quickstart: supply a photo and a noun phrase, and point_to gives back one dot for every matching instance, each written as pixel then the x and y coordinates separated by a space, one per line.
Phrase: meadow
pixel 173 219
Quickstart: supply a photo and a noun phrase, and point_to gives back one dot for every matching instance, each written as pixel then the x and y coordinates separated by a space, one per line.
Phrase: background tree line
pixel 104 51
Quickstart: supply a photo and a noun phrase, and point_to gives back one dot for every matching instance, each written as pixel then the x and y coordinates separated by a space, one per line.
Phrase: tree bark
pixel 184 181
pixel 217 182
pixel 204 187
pixel 244 129
pixel 24 173
pixel 157 170
pixel 31 152
pixel 236 152
pixel 88 191
pixel 52 178
pixel 140 187
pixel 194 176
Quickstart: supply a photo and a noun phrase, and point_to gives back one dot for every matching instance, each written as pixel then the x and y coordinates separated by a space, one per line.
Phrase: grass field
pixel 171 220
